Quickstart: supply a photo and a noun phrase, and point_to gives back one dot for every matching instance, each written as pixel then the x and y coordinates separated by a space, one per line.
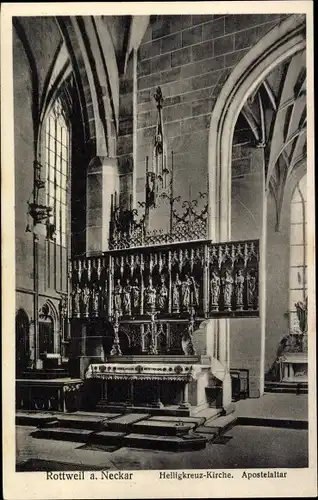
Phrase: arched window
pixel 298 248
pixel 56 151
pixel 57 167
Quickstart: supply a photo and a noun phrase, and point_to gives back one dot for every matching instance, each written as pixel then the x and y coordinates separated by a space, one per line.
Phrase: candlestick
pixel 172 176
pixel 162 160
pixel 171 194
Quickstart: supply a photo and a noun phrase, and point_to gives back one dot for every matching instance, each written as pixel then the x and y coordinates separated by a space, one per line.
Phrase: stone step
pixel 209 413
pixel 211 431
pixel 162 428
pixel 209 436
pixel 76 421
pixel 63 434
pixel 104 406
pixel 102 415
pixel 33 419
pixel 107 438
pixel 124 423
pixel 167 443
pixel 287 389
pixel 286 383
pixel 137 440
pixel 170 418
pixel 281 422
pixel 220 425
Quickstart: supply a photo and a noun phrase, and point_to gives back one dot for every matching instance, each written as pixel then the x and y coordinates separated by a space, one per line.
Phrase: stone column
pixel 157 403
pixel 104 390
pixel 130 401
pixel 102 182
pixel 185 396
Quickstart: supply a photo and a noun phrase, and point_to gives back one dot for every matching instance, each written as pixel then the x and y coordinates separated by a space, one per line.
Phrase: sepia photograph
pixel 163 244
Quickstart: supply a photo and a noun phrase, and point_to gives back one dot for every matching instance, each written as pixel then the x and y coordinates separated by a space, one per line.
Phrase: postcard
pixel 158 253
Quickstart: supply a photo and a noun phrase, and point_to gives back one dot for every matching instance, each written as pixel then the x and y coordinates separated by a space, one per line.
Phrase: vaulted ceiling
pixel 275 119
pixel 96 50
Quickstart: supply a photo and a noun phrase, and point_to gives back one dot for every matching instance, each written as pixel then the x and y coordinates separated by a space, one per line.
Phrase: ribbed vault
pixel 275 115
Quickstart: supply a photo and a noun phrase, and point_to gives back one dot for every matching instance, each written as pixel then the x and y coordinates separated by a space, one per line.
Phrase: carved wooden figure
pixel 85 296
pixel 186 293
pixel 251 290
pixel 162 296
pixel 215 284
pixel 194 293
pixel 176 295
pixel 135 293
pixel 76 301
pixel 227 282
pixel 126 299
pixel 150 297
pixel 95 300
pixel 239 289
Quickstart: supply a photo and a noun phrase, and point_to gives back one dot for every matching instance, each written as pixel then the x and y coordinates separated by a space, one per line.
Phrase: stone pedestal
pixel 294 367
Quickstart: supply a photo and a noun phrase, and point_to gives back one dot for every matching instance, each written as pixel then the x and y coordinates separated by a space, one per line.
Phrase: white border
pixel 146 484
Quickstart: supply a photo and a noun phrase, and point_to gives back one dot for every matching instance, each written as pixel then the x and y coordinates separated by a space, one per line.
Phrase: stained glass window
pixel 298 247
pixel 57 164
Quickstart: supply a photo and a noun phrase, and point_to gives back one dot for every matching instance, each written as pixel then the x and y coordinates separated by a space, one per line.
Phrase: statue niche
pixel 150 297
pixel 162 295
pixel 239 289
pixel 215 289
pixel 227 285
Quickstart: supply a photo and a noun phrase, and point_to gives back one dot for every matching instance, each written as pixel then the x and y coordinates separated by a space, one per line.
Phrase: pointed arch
pixel 83 90
pixel 59 73
pixel 49 328
pixel 279 44
pixel 49 309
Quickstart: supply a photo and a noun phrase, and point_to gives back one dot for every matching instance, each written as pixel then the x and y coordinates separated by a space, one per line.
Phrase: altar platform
pixel 108 431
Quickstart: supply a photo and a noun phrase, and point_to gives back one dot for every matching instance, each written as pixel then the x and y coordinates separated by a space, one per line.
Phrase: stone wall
pixel 23 158
pixel 28 84
pixel 190 57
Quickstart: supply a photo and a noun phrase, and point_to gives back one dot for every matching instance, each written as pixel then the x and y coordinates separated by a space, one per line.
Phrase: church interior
pixel 160 220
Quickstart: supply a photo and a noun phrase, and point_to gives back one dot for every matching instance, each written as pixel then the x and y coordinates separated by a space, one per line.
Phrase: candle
pixel 190 192
pixel 171 179
pixel 147 167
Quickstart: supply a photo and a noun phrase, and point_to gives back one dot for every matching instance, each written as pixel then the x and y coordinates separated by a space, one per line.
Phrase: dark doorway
pixel 22 342
pixel 46 335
